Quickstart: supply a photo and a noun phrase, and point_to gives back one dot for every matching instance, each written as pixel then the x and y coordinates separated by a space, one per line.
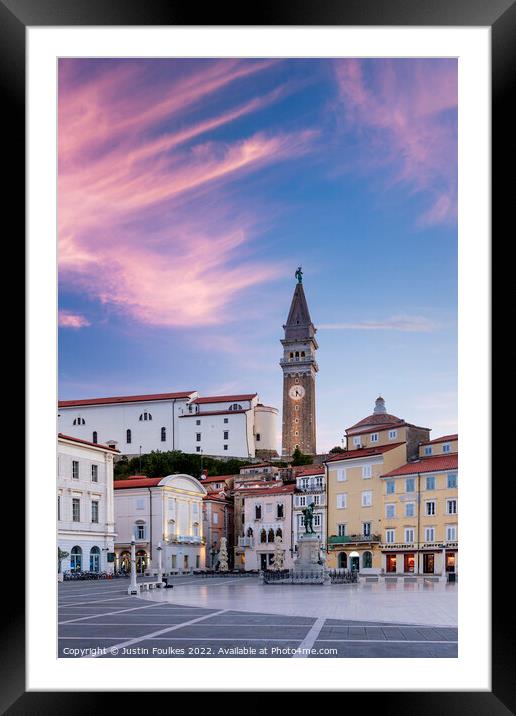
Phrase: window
pixel 357 441
pixel 258 512
pixel 367 560
pixel 140 503
pixel 429 534
pixel 94 437
pixel 409 535
pixel 374 437
pixel 410 509
pixel 393 434
pixel 279 532
pixel 225 447
pixel 95 511
pixel 317 499
pixel 76 509
pixel 75 469
pixel 76 559
pixel 390 536
pixel 279 511
pixel 451 507
pixel 235 406
pixel 197 422
pixel 366 529
pixel 341 475
pixel 226 434
pixel 198 437
pixel 430 482
pixel 270 535
pixel 451 533
pixel 198 449
pixel 163 435
pixel 341 528
pixel 59 507
pixel 301 501
pixel 226 420
pixel 430 507
pixel 452 480
pixel 390 510
pixel 215 518
pixel 258 437
pixel 390 488
pixel 79 421
pixel 140 531
pixel 146 416
pixel 446 447
pixel 428 451
pixel 367 498
pixel 317 520
pixel 410 484
pixel 94 473
pixel 342 500
pixel 367 471
pixel 128 436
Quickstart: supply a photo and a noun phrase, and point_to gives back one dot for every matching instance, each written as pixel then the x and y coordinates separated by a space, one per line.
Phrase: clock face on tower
pixel 296 392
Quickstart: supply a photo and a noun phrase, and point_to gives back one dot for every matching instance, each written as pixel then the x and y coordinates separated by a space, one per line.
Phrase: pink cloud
pixel 66 319
pixel 143 223
pixel 404 114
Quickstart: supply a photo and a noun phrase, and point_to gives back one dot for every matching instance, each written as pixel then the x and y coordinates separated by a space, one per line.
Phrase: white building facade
pixel 267 515
pixel 311 488
pixel 161 513
pixel 85 505
pixel 224 426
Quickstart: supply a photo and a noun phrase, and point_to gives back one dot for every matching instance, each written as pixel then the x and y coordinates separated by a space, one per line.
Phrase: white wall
pixel 211 428
pixel 265 425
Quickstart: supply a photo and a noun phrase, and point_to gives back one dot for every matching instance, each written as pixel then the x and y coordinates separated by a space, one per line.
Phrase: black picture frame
pixel 500 16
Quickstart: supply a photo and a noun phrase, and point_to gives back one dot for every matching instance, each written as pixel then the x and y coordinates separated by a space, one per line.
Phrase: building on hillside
pixel 166 510
pixel 299 368
pixel 218 516
pixel 420 520
pixel 224 426
pixel 310 488
pixel 85 509
pixel 267 514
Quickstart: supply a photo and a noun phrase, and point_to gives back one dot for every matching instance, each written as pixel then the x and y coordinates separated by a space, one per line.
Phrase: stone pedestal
pixel 308 560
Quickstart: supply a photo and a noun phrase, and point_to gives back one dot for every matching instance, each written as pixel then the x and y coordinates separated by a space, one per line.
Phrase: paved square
pixel 198 619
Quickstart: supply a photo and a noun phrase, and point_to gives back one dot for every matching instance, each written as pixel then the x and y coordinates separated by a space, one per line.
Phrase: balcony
pixel 353 539
pixel 187 539
pixel 246 542
pixel 312 488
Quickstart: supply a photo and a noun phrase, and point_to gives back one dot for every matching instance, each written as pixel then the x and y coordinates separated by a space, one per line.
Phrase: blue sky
pixel 189 192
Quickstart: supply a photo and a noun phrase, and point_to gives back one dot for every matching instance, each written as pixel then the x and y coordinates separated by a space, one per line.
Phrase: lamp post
pixel 133 587
pixel 213 552
pixel 160 566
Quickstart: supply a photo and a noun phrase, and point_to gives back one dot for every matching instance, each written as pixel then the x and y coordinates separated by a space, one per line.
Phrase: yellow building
pixel 392 498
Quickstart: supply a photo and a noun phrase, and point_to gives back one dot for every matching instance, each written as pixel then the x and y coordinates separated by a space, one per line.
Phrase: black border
pixel 500 16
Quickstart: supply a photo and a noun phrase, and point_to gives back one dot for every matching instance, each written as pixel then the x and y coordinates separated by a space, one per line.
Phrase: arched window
pixel 94 437
pixel 163 435
pixel 139 531
pixel 95 559
pixel 128 436
pixel 367 560
pixel 249 531
pixel 271 535
pixel 141 561
pixel 343 560
pixel 76 559
pixel 235 406
pixel 146 416
pixel 79 421
pixel 279 533
pixel 279 510
pixel 263 536
pixel 258 512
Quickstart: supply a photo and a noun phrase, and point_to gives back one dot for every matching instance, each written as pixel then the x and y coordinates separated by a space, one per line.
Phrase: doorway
pixel 391 563
pixel 263 561
pixel 428 563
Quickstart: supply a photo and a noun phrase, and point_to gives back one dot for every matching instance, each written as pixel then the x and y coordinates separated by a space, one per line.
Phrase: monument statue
pixel 299 275
pixel 308 518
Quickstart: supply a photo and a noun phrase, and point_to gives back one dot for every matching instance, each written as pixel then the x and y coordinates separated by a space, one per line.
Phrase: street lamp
pixel 160 566
pixel 213 552
pixel 133 587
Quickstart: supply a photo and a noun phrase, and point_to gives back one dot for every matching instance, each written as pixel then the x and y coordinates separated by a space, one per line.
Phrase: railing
pixel 187 538
pixel 312 488
pixel 290 576
pixel 343 576
pixel 245 541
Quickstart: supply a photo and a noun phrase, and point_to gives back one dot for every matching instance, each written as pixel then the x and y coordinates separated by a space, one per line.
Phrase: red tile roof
pixel 313 471
pixel 443 439
pixel 217 478
pixel 225 398
pixel 379 428
pixel 136 481
pixel 87 442
pixel 213 412
pixel 439 463
pixel 363 452
pixel 258 464
pixel 124 399
pixel 377 419
pixel 214 497
pixel 273 490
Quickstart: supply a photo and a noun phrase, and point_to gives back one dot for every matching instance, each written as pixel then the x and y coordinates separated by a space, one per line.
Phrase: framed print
pixel 258 290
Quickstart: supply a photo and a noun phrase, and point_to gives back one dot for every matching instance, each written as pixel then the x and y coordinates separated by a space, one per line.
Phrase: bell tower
pixel 299 368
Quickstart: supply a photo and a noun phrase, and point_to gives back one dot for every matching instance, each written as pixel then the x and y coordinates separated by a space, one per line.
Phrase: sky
pixel 190 190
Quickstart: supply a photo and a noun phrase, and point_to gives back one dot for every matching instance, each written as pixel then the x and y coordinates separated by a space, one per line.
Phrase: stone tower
pixel 299 369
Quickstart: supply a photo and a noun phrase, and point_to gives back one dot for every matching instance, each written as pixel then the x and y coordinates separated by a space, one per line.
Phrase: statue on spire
pixel 299 275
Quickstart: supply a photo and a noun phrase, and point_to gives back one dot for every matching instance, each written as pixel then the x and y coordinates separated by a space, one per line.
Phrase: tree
pixel 298 458
pixel 61 554
pixel 337 449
